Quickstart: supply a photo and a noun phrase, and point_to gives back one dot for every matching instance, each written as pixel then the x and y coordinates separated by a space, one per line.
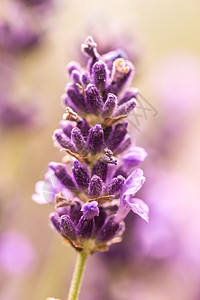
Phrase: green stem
pixel 77 276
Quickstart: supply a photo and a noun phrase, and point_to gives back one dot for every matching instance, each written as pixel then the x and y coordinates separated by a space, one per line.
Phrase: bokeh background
pixel 159 261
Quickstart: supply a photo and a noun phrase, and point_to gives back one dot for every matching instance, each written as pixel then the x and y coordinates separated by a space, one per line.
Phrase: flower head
pixel 93 192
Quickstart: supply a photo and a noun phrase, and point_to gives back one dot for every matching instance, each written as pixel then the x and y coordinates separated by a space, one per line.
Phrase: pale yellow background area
pixel 162 27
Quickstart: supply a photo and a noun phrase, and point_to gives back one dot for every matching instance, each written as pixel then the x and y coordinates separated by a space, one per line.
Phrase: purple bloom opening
pixel 90 209
pixel 131 186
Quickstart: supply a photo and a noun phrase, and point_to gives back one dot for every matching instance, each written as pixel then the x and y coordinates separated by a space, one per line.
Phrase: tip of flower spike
pixel 89 47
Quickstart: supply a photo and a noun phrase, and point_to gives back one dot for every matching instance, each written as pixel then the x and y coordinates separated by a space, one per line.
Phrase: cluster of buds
pixel 93 189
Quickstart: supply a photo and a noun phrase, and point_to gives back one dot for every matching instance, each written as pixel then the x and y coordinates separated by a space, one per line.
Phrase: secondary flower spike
pixel 93 189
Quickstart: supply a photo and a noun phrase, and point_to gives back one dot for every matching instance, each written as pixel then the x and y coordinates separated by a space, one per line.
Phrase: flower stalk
pixel 77 276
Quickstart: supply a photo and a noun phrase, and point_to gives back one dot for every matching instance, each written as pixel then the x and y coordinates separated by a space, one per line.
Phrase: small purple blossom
pixel 131 186
pixel 90 210
pixel 47 189
pixel 133 157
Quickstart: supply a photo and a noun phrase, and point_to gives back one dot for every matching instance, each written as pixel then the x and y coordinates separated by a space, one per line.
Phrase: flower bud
pixel 93 99
pixel 126 108
pixel 84 127
pixel 85 79
pixel 55 221
pixel 85 228
pixel 108 230
pixel 100 75
pixel 109 105
pixel 122 73
pixel 100 219
pixel 63 140
pixel 66 128
pixel 76 76
pixel 115 186
pixel 63 210
pixel 100 169
pixel 73 65
pixel 123 146
pixel 89 48
pixel 95 186
pixel 81 175
pixel 76 97
pixel 117 135
pixel 128 95
pixel 95 139
pixel 78 140
pixel 67 227
pixel 75 212
pixel 61 173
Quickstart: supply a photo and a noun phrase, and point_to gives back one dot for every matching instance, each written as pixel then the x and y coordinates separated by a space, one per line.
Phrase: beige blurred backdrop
pixel 162 28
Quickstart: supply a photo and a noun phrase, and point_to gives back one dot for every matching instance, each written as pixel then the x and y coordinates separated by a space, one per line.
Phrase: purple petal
pixel 44 193
pixel 134 157
pixel 140 208
pixel 90 210
pixel 133 183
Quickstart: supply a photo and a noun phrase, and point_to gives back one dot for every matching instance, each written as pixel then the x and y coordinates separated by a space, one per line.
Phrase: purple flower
pixel 94 134
pixel 47 189
pixel 131 186
pixel 90 210
pixel 133 157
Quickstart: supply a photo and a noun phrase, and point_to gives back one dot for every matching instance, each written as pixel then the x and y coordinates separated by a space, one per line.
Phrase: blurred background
pixel 159 261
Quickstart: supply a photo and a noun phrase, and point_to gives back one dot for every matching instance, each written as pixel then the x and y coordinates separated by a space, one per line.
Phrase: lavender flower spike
pixel 94 190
